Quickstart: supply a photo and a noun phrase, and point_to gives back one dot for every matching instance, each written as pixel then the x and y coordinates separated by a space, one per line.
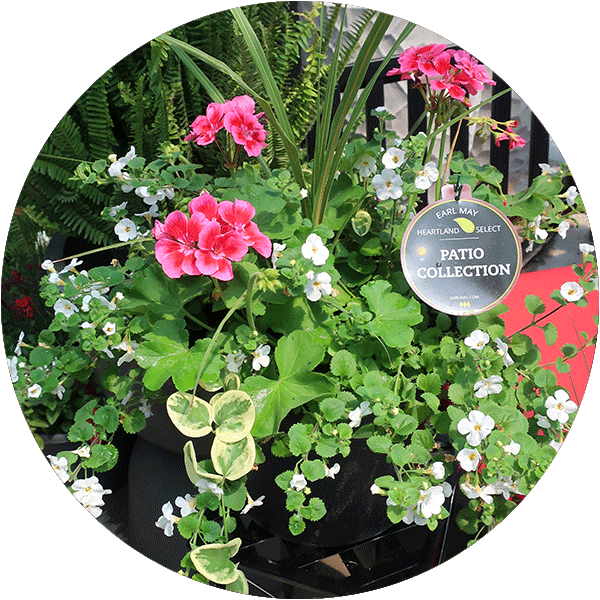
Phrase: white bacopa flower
pixel 366 165
pixel 586 248
pixel 547 169
pixel 151 213
pixel 87 325
pixel 315 250
pixel 375 489
pixel 48 265
pixel 485 387
pixel 17 350
pixel 317 286
pixel 437 470
pixel 571 291
pixel 115 209
pixel 559 407
pixel 260 357
pixel 12 368
pixel 570 195
pixel 34 391
pixel 431 501
pixel 477 340
pixel 332 471
pixel 83 452
pixel 167 520
pixel 60 466
pixel 298 482
pixel 187 504
pixel 555 445
pixel 204 485
pixel 277 250
pixel 427 176
pixel 89 491
pixel 387 184
pixel 506 487
pixel 542 421
pixel 512 448
pixel 59 390
pixel 234 361
pixel 109 328
pixel 303 193
pixel 468 458
pixel 412 516
pixel 64 306
pixel 126 230
pixel 129 347
pixel 475 491
pixel 393 158
pixel 538 232
pixel 251 504
pixel 502 350
pixel 146 409
pixel 358 413
pixel 563 227
pixel 476 427
pixel 114 170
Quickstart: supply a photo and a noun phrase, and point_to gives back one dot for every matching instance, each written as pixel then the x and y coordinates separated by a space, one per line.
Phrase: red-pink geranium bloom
pixel 206 205
pixel 244 126
pixel 239 217
pixel 176 245
pixel 217 250
pixel 205 127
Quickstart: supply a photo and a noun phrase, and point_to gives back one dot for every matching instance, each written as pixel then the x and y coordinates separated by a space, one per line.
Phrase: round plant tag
pixel 460 255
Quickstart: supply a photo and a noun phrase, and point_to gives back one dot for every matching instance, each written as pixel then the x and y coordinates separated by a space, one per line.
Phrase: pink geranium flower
pixel 205 127
pixel 217 250
pixel 244 126
pixel 206 205
pixel 238 216
pixel 176 245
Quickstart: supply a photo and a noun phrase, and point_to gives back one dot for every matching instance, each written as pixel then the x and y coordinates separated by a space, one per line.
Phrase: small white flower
pixel 252 504
pixel 277 250
pixel 314 249
pixel 115 209
pixel 317 286
pixel 234 361
pixel 298 482
pixel 563 227
pixel 506 487
pixel 48 265
pixel 476 427
pixel 502 350
pixel 64 306
pixel 358 413
pixel 83 452
pixel 538 232
pixel 151 213
pixel 570 195
pixel 17 350
pixel 571 291
pixel 60 465
pixel 12 367
pixel 126 230
pixel 512 448
pixel 366 165
pixel 547 169
pixel 303 193
pixel 485 387
pixel 431 501
pixel 146 409
pixel 474 491
pixel 542 421
pixel 89 491
pixel 393 158
pixel 109 328
pixel 427 176
pixel 437 470
pixel 586 248
pixel 204 485
pixel 114 170
pixel 260 357
pixel 468 458
pixel 555 445
pixel 167 520
pixel 559 407
pixel 477 340
pixel 59 390
pixel 130 348
pixel 412 516
pixel 187 504
pixel 375 489
pixel 333 471
pixel 34 391
pixel 387 184
pixel 87 325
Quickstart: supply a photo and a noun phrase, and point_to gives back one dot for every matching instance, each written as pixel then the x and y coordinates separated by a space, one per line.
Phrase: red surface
pixel 569 321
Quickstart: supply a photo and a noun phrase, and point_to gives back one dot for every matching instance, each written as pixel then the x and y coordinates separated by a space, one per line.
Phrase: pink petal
pixel 237 215
pixel 204 204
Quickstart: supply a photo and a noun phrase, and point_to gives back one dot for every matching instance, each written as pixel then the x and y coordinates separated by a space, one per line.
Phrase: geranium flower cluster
pixel 237 117
pixel 454 71
pixel 215 235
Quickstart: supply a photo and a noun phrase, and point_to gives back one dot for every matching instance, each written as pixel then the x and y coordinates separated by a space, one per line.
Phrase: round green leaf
pixel 191 415
pixel 233 413
pixel 233 460
pixel 213 561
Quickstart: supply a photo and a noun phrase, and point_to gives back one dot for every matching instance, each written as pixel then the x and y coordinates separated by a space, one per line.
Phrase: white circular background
pixel 52 52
